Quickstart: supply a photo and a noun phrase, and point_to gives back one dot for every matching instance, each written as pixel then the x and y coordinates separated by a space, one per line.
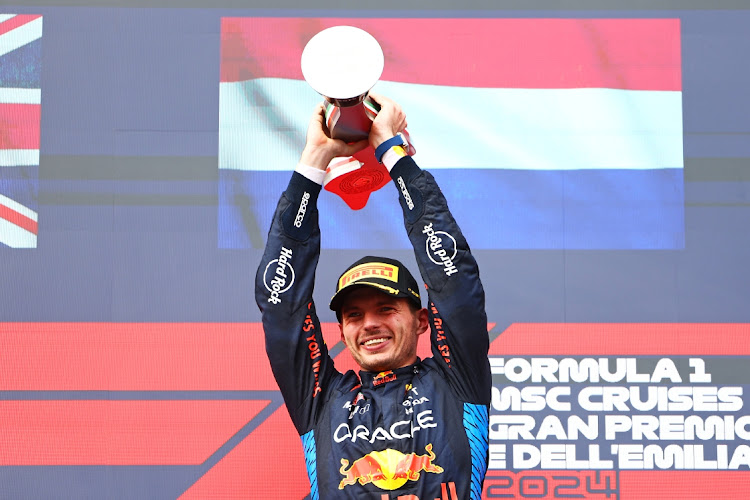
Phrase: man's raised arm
pixel 285 278
pixel 456 301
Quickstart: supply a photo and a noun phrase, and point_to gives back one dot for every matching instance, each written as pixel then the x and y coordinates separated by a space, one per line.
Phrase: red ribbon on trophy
pixel 342 64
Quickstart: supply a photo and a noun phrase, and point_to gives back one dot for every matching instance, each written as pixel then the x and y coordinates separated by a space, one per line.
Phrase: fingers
pixel 378 98
pixel 318 116
pixel 384 101
pixel 386 104
pixel 390 110
pixel 355 147
pixel 389 121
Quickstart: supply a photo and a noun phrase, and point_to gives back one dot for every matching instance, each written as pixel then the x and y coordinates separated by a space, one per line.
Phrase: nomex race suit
pixel 418 432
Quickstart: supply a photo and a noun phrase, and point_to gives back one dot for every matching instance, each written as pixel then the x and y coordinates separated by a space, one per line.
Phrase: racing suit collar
pixel 375 380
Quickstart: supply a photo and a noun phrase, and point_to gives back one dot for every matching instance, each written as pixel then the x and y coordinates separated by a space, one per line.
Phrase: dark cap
pixel 387 275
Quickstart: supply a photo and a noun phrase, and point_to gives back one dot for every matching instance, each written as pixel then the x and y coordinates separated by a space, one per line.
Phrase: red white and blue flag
pixel 20 114
pixel 566 133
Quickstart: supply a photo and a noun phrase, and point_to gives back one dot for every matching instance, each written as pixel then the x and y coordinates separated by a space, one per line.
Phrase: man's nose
pixel 371 320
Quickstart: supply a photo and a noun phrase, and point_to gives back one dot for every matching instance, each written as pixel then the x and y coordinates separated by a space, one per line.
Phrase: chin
pixel 376 366
pixel 372 368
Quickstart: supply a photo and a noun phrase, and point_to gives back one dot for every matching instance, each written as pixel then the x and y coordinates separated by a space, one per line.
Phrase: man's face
pixel 380 331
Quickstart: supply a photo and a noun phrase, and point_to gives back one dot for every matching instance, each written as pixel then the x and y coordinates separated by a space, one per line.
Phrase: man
pixel 405 428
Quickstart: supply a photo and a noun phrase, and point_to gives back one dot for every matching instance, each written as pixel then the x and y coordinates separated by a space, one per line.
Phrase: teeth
pixel 374 341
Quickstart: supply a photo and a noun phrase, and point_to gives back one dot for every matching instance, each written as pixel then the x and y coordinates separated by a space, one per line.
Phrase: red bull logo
pixel 383 377
pixel 388 469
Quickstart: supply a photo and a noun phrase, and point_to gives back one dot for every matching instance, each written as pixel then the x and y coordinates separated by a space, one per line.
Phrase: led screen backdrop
pixel 596 160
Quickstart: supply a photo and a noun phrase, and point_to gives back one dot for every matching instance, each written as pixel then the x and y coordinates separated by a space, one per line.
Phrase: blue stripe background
pixel 20 68
pixel 21 184
pixel 496 209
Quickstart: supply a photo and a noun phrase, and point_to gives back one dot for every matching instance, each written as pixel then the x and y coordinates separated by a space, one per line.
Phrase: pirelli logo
pixel 369 270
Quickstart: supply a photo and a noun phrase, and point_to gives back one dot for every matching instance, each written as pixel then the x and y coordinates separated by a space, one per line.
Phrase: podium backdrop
pixel 595 157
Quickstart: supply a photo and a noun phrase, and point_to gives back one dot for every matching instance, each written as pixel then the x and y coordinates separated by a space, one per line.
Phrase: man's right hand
pixel 320 149
pixel 390 120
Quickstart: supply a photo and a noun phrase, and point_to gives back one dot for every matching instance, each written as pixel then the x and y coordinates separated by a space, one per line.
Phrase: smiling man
pixel 403 428
pixel 379 322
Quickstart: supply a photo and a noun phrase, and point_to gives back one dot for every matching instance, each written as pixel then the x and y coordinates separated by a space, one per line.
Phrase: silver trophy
pixel 342 64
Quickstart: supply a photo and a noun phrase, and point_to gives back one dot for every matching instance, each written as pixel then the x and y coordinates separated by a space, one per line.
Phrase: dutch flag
pixel 543 133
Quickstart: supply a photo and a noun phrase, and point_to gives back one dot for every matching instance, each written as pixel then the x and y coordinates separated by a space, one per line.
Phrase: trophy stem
pixel 350 124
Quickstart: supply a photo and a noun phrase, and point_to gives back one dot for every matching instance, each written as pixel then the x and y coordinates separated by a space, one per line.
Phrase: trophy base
pixel 354 180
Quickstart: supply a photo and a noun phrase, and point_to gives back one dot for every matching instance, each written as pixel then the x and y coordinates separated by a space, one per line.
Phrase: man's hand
pixel 321 149
pixel 390 120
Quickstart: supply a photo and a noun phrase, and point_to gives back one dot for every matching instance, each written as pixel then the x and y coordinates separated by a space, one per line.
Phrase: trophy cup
pixel 342 64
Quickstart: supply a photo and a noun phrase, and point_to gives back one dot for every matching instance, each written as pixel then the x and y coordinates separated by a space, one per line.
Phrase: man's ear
pixel 341 329
pixel 423 319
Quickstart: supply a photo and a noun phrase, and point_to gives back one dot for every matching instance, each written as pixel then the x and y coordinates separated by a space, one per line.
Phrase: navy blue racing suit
pixel 418 432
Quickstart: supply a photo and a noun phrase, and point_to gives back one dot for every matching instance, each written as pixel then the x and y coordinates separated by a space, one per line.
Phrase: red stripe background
pixel 103 432
pixel 638 54
pixel 133 356
pixel 16 21
pixel 143 356
pixel 137 356
pixel 19 126
pixel 629 339
pixel 18 219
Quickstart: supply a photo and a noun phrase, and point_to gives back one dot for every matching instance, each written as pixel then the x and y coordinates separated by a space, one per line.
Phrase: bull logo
pixel 388 469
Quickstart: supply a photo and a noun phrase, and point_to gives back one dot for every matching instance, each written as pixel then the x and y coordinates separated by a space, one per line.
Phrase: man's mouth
pixel 375 342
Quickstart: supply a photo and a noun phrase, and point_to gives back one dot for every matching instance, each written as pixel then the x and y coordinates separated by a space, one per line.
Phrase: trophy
pixel 342 64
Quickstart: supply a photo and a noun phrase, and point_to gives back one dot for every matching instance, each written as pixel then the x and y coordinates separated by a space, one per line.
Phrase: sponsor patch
pixel 405 193
pixel 302 210
pixel 403 429
pixel 369 270
pixel 388 469
pixel 383 377
pixel 278 276
pixel 441 248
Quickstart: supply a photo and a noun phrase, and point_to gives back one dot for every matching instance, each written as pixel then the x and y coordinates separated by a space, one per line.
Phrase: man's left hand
pixel 320 149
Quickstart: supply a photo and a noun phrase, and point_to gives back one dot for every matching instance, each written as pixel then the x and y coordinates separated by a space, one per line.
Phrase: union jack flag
pixel 20 116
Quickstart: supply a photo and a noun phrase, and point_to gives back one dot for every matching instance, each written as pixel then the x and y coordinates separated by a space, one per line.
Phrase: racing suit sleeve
pixel 456 304
pixel 283 291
